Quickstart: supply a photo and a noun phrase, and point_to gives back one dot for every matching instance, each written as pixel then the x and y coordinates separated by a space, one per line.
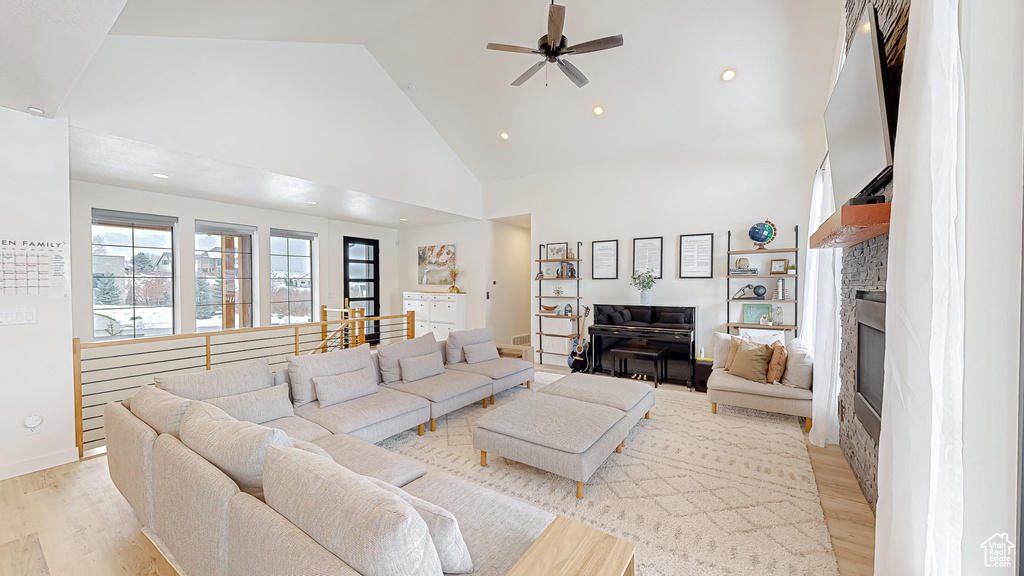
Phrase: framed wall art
pixel 696 255
pixel 604 260
pixel 647 255
pixel 557 251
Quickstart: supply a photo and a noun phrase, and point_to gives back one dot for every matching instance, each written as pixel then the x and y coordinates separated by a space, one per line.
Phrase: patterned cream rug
pixel 698 493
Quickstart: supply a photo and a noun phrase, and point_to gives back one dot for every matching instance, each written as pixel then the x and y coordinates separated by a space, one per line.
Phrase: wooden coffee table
pixel 568 548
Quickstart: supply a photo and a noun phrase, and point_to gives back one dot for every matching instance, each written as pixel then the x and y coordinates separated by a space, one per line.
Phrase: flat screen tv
pixel 857 123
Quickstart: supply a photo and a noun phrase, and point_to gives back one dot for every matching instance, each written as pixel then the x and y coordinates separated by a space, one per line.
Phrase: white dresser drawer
pixel 446 312
pixel 422 327
pixel 441 331
pixel 444 298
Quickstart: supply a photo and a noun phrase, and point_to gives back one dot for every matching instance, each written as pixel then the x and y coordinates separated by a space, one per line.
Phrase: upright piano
pixel 668 328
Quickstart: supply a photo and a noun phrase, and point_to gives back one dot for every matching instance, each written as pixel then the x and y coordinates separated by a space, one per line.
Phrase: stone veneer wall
pixel 864 268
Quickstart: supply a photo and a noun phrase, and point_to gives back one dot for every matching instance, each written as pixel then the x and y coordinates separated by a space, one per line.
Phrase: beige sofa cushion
pixel 221 381
pixel 720 351
pixel 160 409
pixel 734 347
pixel 323 498
pixel 476 353
pixel 258 406
pixel 459 339
pixel 311 448
pixel 302 369
pixel 443 527
pixel 420 367
pixel 237 448
pixel 751 361
pixel 777 365
pixel 799 365
pixel 389 355
pixel 338 388
pixel 725 382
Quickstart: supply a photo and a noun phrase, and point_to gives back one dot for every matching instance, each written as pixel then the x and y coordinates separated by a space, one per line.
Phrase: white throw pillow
pixel 160 409
pixel 331 390
pixel 389 355
pixel 482 352
pixel 459 339
pixel 302 369
pixel 258 407
pixel 420 367
pixel 799 365
pixel 444 530
pixel 721 350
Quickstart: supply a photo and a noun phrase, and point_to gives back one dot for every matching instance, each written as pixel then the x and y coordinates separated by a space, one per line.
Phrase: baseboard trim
pixel 40 463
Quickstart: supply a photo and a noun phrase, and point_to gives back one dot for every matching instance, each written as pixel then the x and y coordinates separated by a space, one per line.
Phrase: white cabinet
pixel 439 313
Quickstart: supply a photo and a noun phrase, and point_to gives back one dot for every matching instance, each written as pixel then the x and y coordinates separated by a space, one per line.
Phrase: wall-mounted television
pixel 857 122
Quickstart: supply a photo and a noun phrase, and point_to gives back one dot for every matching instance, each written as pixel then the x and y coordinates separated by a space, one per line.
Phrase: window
pixel 132 275
pixel 223 276
pixel 291 277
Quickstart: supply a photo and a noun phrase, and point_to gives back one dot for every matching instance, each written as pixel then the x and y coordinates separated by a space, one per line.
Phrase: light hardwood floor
pixel 71 520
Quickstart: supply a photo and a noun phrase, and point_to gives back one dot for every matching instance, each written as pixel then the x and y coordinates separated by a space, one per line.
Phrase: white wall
pixel 327 113
pixel 37 375
pixel 327 268
pixel 726 185
pixel 993 53
pixel 508 309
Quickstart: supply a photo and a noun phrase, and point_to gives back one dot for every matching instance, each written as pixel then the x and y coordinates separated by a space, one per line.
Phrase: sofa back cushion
pixel 258 406
pixel 236 448
pixel 338 388
pixel 389 355
pixel 476 353
pixel 323 498
pixel 302 369
pixel 751 361
pixel 799 365
pixel 444 530
pixel 458 339
pixel 160 409
pixel 221 381
pixel 420 367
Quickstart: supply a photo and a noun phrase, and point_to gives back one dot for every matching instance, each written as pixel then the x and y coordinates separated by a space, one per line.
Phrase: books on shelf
pixel 743 271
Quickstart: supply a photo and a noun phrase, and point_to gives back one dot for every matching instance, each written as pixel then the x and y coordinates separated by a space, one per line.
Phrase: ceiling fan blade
pixel 510 48
pixel 595 45
pixel 573 73
pixel 556 21
pixel 529 73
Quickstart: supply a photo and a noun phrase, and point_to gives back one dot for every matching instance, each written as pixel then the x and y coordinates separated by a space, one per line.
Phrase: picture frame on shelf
pixel 778 266
pixel 557 251
pixel 752 313
pixel 551 270
pixel 696 255
pixel 648 255
pixel 604 256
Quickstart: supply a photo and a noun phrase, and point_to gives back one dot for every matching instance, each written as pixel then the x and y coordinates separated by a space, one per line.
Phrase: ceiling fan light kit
pixel 554 52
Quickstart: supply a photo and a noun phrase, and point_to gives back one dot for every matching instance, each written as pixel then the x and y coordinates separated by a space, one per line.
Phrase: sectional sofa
pixel 238 470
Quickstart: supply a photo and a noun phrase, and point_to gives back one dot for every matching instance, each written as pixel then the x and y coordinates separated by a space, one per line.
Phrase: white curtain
pixel 820 323
pixel 919 515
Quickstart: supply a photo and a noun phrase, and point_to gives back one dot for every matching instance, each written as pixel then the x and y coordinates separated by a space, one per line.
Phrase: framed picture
pixel 779 266
pixel 696 255
pixel 557 251
pixel 752 312
pixel 433 264
pixel 551 270
pixel 647 255
pixel 569 270
pixel 605 260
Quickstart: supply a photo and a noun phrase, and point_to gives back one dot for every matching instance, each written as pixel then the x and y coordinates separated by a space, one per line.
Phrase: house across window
pixel 132 275
pixel 223 258
pixel 291 277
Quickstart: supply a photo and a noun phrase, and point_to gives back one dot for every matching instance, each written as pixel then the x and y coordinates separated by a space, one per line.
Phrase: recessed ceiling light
pixel 311 202
pixel 728 75
pixel 403 219
pixel 411 87
pixel 865 28
pixel 598 110
pixel 160 176
pixel 35 110
pixel 504 135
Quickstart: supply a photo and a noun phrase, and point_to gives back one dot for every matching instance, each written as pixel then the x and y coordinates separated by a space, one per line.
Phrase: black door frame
pixel 373 328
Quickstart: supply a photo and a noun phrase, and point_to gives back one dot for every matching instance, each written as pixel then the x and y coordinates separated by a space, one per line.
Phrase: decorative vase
pixel 453 289
pixel 645 297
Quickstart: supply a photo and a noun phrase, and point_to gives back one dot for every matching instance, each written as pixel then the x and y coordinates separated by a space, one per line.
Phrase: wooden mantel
pixel 852 225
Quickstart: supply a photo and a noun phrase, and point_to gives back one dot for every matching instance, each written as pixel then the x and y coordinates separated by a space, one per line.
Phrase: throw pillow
pixel 220 381
pixel 420 367
pixel 476 353
pixel 388 355
pixel 258 407
pixel 751 362
pixel 160 409
pixel 671 317
pixel 626 316
pixel 444 530
pixel 457 340
pixel 615 319
pixel 236 448
pixel 641 315
pixel 799 365
pixel 777 365
pixel 733 348
pixel 331 390
pixel 720 350
pixel 302 369
pixel 322 498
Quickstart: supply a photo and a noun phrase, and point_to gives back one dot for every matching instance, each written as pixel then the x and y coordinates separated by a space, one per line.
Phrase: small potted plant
pixel 791 270
pixel 643 281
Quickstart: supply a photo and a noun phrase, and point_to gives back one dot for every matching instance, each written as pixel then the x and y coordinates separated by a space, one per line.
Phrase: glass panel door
pixel 362 276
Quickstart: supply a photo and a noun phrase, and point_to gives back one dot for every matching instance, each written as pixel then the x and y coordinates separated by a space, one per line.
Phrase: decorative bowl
pixel 548 308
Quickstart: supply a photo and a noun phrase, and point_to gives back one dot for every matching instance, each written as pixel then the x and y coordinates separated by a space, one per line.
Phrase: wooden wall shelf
pixel 852 225
pixel 764 251
pixel 762 326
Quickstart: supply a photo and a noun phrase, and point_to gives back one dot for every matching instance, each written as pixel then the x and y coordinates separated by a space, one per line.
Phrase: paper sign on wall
pixel 33 268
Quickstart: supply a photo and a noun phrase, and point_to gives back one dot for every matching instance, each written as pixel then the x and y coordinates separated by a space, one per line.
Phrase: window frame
pixel 289 235
pixel 207 229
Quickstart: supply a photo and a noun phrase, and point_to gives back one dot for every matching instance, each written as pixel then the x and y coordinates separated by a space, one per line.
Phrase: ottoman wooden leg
pixel 485 402
pixel 492 400
pixel 527 384
pixel 483 458
pixel 714 407
pixel 648 415
pixel 807 425
pixel 579 490
pixel 421 430
pixel 433 425
pixel 618 449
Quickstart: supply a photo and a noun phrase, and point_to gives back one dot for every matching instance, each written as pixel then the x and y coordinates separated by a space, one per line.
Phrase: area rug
pixel 698 493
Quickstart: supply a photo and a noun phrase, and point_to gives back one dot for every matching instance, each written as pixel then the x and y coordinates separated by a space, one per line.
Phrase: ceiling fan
pixel 555 51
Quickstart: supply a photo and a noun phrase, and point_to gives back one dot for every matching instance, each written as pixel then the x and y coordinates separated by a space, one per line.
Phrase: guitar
pixel 579 356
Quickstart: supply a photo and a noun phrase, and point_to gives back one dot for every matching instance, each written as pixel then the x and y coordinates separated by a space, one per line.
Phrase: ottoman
pixel 563 436
pixel 634 398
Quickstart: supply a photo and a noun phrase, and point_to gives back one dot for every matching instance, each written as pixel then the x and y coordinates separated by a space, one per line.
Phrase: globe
pixel 762 233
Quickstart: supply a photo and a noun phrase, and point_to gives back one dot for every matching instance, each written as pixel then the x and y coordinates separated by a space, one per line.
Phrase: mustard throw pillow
pixel 733 348
pixel 777 365
pixel 751 361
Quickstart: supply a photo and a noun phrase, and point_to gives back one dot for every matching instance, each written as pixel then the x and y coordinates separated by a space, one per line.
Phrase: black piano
pixel 668 328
